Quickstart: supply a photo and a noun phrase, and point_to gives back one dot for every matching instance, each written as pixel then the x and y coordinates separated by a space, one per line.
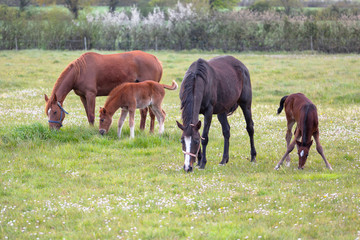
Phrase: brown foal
pixel 299 109
pixel 129 97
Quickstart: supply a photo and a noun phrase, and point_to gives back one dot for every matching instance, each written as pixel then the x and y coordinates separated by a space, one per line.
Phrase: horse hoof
pixel 277 167
pixel 222 164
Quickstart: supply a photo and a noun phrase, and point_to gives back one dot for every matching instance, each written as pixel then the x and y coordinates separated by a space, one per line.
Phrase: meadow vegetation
pixel 76 184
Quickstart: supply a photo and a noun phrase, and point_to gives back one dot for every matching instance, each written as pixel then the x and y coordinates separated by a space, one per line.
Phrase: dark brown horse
pixel 299 109
pixel 93 75
pixel 217 86
pixel 129 97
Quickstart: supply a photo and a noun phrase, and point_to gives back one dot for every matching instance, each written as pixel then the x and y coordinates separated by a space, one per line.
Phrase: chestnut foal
pixel 300 109
pixel 129 97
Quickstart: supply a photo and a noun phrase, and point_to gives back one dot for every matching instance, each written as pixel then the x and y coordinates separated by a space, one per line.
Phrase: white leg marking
pixel 161 128
pixel 119 132
pixel 187 149
pixel 132 132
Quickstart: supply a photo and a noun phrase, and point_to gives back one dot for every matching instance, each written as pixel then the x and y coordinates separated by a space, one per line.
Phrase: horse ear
pixel 298 143
pixel 180 125
pixel 102 110
pixel 198 125
pixel 309 144
pixel 46 98
pixel 55 98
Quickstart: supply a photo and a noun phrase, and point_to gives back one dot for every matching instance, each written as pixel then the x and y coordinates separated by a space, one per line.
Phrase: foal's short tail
pixel 174 86
pixel 281 104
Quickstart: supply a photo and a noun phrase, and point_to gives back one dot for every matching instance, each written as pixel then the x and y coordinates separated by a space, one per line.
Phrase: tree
pixel 23 4
pixel 222 4
pixel 73 6
pixel 112 5
pixel 289 5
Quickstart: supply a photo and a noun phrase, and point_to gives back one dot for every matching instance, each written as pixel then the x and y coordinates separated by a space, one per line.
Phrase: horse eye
pixel 196 141
pixel 55 112
pixel 182 140
pixel 102 120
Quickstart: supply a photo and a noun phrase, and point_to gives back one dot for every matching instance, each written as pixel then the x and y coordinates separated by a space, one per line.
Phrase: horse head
pixel 303 152
pixel 55 112
pixel 105 121
pixel 190 140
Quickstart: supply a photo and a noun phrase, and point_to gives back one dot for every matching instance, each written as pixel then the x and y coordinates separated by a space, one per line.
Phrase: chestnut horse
pixel 217 86
pixel 299 109
pixel 93 75
pixel 130 96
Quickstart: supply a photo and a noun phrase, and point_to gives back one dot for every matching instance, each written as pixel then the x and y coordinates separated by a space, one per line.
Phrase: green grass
pixel 76 184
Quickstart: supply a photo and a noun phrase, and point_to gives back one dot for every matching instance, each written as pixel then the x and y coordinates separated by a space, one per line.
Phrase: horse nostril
pixel 102 131
pixel 188 169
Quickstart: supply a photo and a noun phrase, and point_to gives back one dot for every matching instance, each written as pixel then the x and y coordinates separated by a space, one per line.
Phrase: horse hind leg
pixel 226 133
pixel 246 108
pixel 160 116
pixel 152 120
pixel 320 150
pixel 132 122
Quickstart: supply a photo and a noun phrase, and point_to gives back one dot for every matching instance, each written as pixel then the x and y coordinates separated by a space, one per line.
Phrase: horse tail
pixel 174 86
pixel 281 104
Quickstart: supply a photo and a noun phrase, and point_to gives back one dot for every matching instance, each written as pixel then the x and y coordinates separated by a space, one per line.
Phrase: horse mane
pixel 187 97
pixel 308 109
pixel 78 64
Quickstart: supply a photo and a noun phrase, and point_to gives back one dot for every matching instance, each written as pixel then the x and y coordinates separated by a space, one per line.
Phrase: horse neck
pixel 308 123
pixel 112 104
pixel 192 108
pixel 65 84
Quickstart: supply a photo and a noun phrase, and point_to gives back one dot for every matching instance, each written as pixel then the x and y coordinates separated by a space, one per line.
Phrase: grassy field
pixel 76 184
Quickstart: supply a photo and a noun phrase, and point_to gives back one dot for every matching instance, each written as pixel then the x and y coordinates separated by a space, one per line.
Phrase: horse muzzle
pixel 102 131
pixel 188 168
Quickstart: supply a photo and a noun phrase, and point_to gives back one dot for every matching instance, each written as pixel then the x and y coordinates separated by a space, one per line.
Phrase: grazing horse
pixel 217 86
pixel 93 75
pixel 299 109
pixel 130 96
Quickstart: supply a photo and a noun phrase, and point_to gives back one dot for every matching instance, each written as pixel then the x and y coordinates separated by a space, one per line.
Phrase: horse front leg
pixel 90 103
pixel 226 133
pixel 121 121
pixel 320 150
pixel 83 100
pixel 205 138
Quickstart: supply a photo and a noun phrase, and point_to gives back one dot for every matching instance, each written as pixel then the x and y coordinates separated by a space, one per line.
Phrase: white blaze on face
pixel 49 113
pixel 187 149
pixel 302 153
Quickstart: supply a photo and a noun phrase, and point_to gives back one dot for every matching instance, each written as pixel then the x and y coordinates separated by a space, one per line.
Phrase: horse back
pixel 104 72
pixel 299 108
pixel 233 80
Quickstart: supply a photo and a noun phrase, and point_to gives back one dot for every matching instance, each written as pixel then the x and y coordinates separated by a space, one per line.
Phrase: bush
pixel 182 28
